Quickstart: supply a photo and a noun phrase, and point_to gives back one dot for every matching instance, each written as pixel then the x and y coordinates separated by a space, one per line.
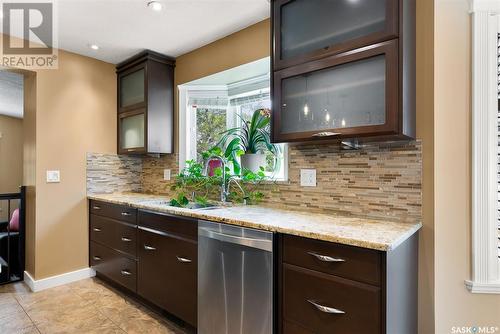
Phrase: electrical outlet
pixel 167 174
pixel 53 176
pixel 308 177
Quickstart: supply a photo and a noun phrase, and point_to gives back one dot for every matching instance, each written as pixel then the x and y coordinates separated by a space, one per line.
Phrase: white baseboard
pixel 50 282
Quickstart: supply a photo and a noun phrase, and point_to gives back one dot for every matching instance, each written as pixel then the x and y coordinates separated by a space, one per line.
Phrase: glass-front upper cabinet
pixel 132 132
pixel 340 96
pixel 132 88
pixel 306 30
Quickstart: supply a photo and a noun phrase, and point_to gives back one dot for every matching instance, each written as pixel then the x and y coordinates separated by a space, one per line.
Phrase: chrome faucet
pixel 223 190
pixel 225 184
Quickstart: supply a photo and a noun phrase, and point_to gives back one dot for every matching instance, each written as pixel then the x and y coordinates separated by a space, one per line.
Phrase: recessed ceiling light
pixel 94 46
pixel 155 5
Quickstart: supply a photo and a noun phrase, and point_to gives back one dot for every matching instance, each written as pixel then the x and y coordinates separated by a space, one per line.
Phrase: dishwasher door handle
pixel 263 244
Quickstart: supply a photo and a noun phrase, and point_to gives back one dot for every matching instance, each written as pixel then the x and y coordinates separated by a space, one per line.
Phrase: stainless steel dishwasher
pixel 235 280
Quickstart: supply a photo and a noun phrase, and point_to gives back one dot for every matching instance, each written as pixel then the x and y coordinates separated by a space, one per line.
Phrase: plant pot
pixel 253 161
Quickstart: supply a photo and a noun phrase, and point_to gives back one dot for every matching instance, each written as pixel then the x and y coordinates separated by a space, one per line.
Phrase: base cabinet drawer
pixel 358 264
pixel 114 211
pixel 113 265
pixel 168 273
pixel 321 303
pixel 114 234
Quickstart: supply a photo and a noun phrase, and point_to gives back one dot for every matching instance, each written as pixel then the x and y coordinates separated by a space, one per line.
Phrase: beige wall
pixel 68 112
pixel 11 159
pixel 455 306
pixel 425 127
pixel 75 114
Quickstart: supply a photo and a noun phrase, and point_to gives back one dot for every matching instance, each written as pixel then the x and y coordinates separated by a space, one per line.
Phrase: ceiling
pixel 11 94
pixel 122 28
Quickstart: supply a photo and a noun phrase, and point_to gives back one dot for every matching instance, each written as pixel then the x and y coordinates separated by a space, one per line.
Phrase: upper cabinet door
pixel 354 94
pixel 132 88
pixel 306 30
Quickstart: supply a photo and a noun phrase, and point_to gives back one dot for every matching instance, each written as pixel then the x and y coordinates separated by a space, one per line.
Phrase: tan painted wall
pixel 425 127
pixel 455 306
pixel 29 166
pixel 75 114
pixel 11 159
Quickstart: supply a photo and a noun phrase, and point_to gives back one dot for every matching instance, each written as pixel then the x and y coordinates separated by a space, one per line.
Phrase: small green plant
pixel 191 180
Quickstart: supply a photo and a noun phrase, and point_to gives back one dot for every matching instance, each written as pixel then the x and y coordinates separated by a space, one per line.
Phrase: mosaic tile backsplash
pixel 377 181
pixel 108 173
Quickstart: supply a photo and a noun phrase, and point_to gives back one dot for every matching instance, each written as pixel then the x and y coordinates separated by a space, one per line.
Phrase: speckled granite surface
pixel 361 232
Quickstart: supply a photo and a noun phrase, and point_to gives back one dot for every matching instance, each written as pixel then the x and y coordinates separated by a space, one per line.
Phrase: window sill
pixel 476 287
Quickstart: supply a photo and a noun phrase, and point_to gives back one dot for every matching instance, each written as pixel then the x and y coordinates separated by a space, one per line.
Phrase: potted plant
pixel 250 142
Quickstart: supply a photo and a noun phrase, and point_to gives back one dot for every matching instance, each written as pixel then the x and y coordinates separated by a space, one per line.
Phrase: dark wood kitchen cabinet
pixel 113 233
pixel 152 255
pixel 167 272
pixel 329 288
pixel 146 104
pixel 343 70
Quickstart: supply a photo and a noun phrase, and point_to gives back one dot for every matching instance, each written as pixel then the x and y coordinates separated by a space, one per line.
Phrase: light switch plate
pixel 53 176
pixel 308 177
pixel 167 174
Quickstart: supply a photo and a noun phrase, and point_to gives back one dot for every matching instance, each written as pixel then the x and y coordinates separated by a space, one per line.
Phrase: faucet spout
pixel 223 191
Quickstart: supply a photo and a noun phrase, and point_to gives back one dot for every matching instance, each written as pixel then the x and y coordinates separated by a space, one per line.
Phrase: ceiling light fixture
pixel 94 46
pixel 155 5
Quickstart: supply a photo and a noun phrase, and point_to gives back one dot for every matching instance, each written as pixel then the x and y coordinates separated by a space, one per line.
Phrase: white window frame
pixel 187 125
pixel 485 261
pixel 187 119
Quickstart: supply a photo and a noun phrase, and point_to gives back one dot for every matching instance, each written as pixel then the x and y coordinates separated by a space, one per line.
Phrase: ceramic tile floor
pixel 86 306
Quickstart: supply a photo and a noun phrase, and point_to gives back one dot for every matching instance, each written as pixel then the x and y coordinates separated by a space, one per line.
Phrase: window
pixel 207 108
pixel 485 148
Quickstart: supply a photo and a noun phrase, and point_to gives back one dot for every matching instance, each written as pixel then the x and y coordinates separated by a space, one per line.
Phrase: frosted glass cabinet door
pixel 132 88
pixel 132 132
pixel 354 96
pixel 305 29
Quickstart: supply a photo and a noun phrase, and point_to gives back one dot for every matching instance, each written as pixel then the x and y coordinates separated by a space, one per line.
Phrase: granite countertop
pixel 362 232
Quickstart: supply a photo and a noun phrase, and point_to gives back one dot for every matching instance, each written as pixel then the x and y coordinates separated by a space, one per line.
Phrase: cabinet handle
pixel 97 258
pixel 97 229
pixel 325 258
pixel 325 309
pixel 183 259
pixel 125 239
pixel 125 273
pixel 149 248
pixel 326 134
pixel 126 213
pixel 96 207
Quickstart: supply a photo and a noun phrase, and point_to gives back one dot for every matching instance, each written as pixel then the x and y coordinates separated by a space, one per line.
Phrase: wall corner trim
pixel 485 262
pixel 476 287
pixel 53 281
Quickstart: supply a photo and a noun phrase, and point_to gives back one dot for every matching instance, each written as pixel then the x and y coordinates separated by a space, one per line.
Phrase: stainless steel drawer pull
pixel 183 259
pixel 96 207
pixel 326 134
pixel 125 239
pixel 126 214
pixel 325 258
pixel 149 248
pixel 97 258
pixel 325 309
pixel 97 229
pixel 126 273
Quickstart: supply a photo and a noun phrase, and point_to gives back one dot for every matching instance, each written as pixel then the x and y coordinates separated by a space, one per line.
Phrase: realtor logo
pixel 29 35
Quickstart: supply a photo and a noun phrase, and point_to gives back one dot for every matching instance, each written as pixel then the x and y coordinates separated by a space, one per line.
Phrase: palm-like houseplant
pixel 250 142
